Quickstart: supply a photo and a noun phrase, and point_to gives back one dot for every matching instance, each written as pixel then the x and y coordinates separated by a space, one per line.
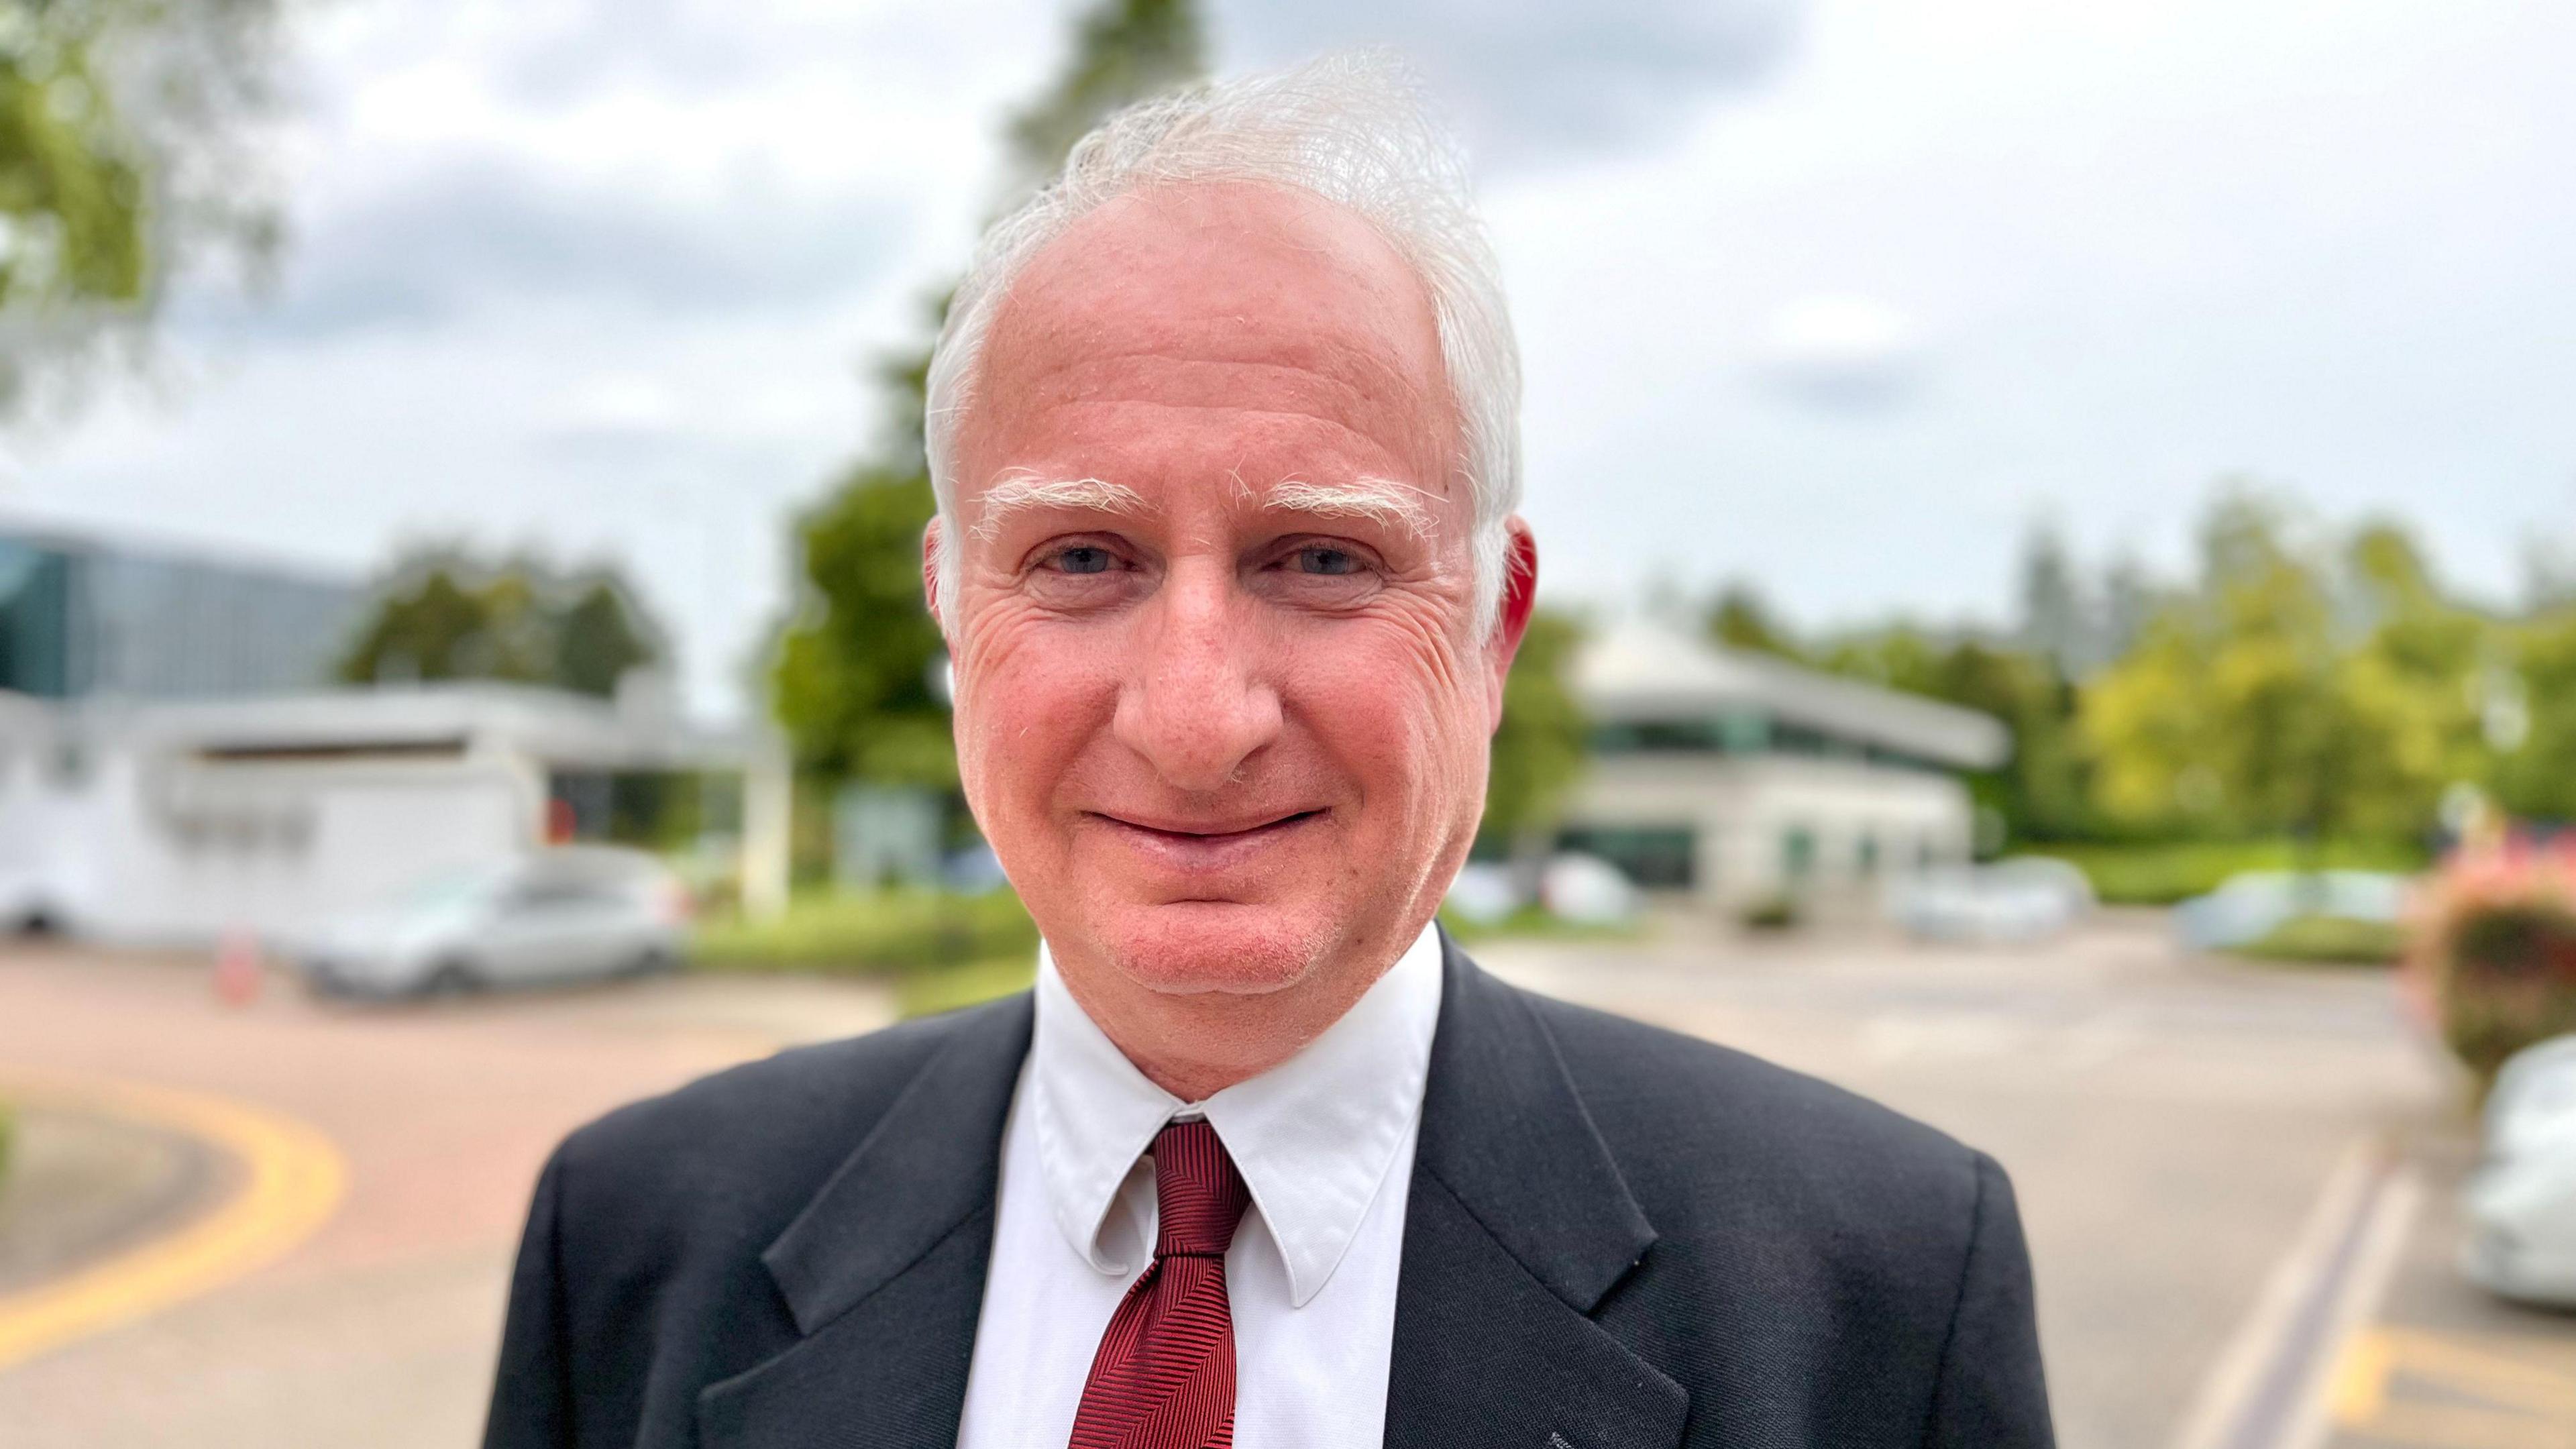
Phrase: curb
pixel 2274 1383
pixel 293 1180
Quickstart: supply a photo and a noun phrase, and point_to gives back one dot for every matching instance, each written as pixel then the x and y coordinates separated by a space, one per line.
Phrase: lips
pixel 1209 847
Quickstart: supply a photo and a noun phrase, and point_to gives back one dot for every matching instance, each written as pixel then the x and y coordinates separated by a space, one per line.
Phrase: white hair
pixel 1353 129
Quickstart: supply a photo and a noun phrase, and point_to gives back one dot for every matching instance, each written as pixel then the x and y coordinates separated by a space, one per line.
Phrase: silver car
pixel 561 914
pixel 2521 1201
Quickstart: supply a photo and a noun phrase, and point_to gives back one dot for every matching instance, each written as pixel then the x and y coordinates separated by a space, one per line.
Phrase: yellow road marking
pixel 2359 1389
pixel 2488 1367
pixel 2515 1401
pixel 294 1179
pixel 2446 1426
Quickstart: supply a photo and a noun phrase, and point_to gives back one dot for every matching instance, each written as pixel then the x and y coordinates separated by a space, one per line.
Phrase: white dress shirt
pixel 1325 1142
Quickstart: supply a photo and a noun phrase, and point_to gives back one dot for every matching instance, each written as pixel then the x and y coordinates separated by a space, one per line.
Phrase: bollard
pixel 238 970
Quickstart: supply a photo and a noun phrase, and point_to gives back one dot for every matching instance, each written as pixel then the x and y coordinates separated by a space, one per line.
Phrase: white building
pixel 179 821
pixel 1736 777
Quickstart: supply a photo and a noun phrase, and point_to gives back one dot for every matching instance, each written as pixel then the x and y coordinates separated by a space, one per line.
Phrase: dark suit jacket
pixel 1617 1238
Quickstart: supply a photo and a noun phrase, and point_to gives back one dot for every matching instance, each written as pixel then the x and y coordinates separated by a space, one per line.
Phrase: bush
pixel 2331 940
pixel 2161 873
pixel 873 933
pixel 2496 957
pixel 1778 912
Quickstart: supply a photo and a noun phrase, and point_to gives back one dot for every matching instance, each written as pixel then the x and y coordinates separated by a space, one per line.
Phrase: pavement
pixel 380 1326
pixel 2235 1181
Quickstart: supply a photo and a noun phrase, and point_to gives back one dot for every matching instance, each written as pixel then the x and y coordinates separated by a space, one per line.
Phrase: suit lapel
pixel 1519 1224
pixel 884 1270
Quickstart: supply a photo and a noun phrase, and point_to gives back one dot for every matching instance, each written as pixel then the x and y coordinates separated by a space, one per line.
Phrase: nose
pixel 1195 704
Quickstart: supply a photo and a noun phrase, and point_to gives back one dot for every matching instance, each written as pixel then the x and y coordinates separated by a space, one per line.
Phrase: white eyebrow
pixel 1019 490
pixel 1381 500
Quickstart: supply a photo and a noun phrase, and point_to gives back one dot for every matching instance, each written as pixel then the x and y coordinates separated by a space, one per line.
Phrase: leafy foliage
pixel 2161 872
pixel 2535 702
pixel 2039 792
pixel 2255 705
pixel 1741 620
pixel 129 145
pixel 1539 750
pixel 446 617
pixel 1123 51
pixel 851 680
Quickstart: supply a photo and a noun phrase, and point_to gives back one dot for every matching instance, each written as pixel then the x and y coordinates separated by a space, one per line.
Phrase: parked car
pixel 560 914
pixel 2520 1203
pixel 2024 899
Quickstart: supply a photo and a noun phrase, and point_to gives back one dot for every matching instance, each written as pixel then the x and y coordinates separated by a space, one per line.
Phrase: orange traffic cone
pixel 238 971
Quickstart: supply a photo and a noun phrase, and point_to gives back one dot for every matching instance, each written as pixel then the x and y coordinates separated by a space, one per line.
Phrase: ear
pixel 930 572
pixel 1520 596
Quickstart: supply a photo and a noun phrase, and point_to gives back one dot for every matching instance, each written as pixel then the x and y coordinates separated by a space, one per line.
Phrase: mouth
pixel 1200 847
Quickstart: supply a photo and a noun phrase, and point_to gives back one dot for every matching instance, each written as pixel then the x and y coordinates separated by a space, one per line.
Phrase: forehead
pixel 1179 320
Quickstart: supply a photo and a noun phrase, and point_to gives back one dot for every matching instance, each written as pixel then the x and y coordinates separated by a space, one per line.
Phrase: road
pixel 2175 1128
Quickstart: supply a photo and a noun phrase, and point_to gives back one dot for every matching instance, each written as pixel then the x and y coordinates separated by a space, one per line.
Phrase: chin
pixel 1197 947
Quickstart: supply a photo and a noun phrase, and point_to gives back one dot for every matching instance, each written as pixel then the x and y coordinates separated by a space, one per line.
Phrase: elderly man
pixel 1223 428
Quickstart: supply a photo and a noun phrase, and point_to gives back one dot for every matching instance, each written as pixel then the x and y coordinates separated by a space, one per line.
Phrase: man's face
pixel 1221 708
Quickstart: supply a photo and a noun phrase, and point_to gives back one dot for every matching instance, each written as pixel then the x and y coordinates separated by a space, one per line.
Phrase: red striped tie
pixel 1164 1377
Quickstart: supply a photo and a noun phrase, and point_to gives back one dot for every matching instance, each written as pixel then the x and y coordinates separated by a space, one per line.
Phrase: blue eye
pixel 1331 562
pixel 1084 561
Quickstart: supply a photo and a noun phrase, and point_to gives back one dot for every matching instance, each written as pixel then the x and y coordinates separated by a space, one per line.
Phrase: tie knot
pixel 1199 1197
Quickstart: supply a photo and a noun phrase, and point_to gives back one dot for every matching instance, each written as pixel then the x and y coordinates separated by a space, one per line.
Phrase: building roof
pixel 555 725
pixel 1639 670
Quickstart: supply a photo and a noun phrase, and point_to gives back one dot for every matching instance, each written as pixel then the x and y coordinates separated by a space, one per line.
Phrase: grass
pixel 2330 940
pixel 940 950
pixel 1533 921
pixel 869 933
pixel 2159 874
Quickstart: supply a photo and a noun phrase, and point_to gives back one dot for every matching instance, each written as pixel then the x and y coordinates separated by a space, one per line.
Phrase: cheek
pixel 1389 700
pixel 1027 708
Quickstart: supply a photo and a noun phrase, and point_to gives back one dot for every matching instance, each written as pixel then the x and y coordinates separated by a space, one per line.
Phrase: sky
pixel 1839 299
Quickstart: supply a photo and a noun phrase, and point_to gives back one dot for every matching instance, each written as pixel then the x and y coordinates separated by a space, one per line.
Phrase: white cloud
pixel 1842 352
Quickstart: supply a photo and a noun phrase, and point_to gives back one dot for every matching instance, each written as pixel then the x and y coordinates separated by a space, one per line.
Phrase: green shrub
pixel 941 950
pixel 1776 912
pixel 1534 921
pixel 2159 874
pixel 2331 940
pixel 873 933
pixel 930 990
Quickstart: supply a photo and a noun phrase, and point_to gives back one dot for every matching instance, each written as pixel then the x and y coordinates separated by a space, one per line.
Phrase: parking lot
pixel 2236 1181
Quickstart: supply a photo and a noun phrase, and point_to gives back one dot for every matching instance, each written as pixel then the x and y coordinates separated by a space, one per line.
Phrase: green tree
pixel 2248 707
pixel 1124 51
pixel 1741 620
pixel 2533 703
pixel 445 617
pixel 2039 792
pixel 1540 748
pixel 851 678
pixel 598 641
pixel 129 137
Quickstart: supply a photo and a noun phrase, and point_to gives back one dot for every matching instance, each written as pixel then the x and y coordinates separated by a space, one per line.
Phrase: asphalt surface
pixel 2170 1124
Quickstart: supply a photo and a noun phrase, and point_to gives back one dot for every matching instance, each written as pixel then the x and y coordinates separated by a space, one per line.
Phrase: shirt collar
pixel 1314 1136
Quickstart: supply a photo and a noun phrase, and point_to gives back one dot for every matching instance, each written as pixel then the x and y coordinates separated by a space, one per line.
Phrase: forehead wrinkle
pixel 1348 388
pixel 1366 441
